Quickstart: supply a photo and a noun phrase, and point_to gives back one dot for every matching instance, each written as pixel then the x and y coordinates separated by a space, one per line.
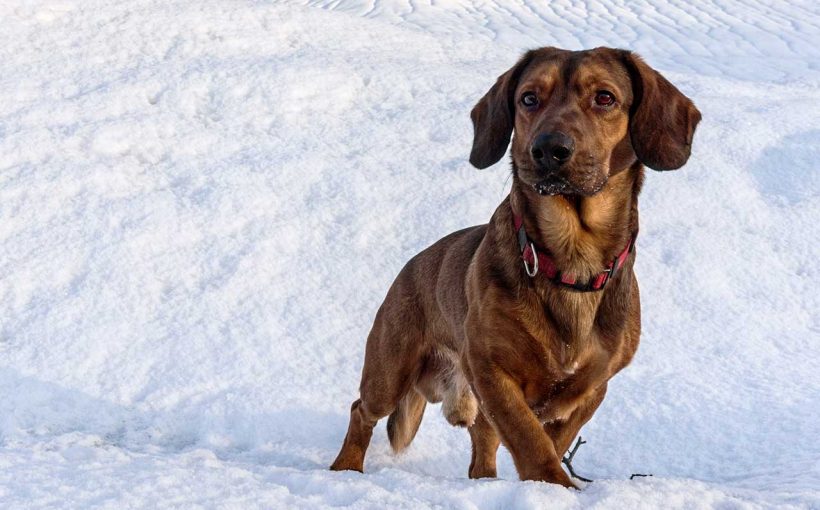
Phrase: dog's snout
pixel 552 149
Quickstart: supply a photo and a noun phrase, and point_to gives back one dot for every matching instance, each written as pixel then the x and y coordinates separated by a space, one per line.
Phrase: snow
pixel 202 205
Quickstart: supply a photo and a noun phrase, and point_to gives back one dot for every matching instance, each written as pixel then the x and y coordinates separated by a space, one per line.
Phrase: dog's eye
pixel 529 99
pixel 604 98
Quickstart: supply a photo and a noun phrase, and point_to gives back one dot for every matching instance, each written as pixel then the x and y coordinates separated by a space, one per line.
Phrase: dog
pixel 516 326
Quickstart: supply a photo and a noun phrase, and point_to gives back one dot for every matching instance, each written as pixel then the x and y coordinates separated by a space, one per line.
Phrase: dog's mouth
pixel 556 185
pixel 583 181
pixel 552 186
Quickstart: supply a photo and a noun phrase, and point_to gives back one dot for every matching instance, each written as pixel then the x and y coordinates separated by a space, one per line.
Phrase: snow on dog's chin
pixel 552 186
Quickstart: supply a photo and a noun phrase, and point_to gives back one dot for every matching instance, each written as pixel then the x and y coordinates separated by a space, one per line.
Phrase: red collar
pixel 536 261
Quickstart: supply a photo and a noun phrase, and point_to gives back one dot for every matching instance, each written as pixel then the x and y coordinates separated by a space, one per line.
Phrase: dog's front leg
pixel 485 445
pixel 563 432
pixel 502 402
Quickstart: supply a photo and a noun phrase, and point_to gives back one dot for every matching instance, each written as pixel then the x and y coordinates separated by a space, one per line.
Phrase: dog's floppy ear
pixel 662 120
pixel 493 117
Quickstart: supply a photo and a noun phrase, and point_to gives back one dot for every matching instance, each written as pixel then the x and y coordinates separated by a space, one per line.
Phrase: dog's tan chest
pixel 564 386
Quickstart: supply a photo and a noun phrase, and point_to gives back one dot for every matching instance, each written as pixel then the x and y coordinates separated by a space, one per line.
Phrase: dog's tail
pixel 404 422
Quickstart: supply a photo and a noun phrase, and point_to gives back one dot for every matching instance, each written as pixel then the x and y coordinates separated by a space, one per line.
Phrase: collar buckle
pixel 534 271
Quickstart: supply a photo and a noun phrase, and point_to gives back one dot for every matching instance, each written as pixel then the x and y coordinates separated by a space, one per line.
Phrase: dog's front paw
pixel 558 477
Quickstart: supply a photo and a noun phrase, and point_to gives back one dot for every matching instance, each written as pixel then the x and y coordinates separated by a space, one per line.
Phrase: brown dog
pixel 518 325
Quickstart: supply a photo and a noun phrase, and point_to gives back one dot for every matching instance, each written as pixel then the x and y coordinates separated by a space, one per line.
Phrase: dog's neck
pixel 582 233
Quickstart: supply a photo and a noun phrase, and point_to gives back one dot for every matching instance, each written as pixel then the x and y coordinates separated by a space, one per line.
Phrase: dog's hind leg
pixel 359 431
pixel 392 362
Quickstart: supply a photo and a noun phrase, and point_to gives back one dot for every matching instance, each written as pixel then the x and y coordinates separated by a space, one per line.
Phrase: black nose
pixel 552 149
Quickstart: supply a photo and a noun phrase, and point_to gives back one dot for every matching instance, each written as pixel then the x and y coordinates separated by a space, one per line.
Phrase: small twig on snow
pixel 567 460
pixel 639 474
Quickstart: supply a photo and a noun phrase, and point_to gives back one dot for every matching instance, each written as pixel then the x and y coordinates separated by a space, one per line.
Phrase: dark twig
pixel 638 474
pixel 567 460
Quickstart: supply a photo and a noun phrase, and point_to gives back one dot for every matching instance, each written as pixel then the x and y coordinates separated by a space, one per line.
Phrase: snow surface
pixel 202 204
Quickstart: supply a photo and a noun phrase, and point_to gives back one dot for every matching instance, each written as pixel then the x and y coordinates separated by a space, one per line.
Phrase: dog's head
pixel 579 117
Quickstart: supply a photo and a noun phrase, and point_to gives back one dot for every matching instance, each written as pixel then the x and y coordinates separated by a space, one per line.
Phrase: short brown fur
pixel 520 360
